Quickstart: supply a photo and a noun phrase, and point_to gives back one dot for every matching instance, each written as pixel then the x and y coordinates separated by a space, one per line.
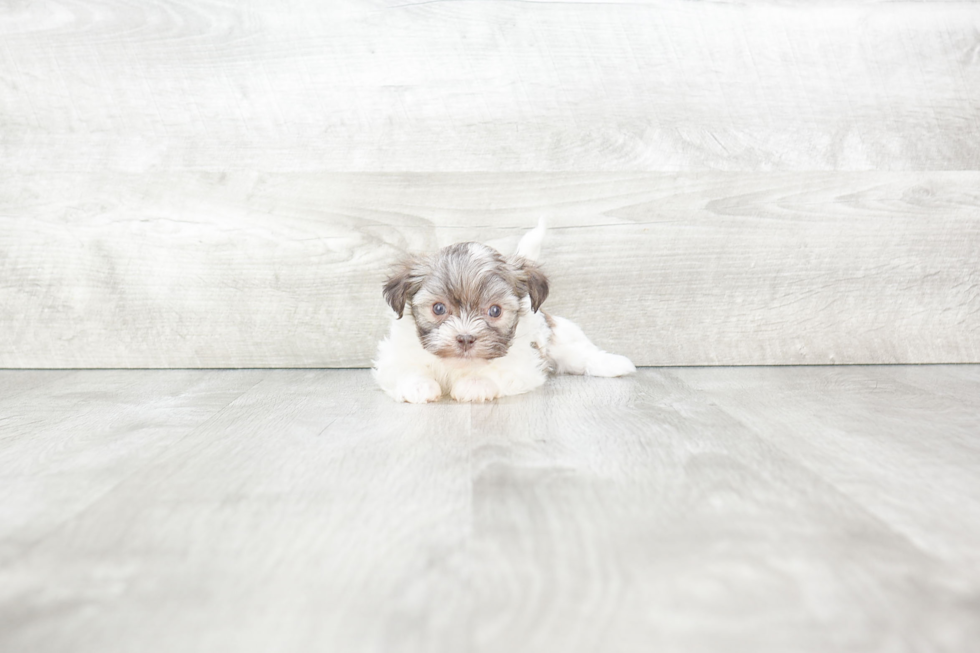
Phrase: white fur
pixel 407 372
pixel 573 353
pixel 401 357
pixel 530 245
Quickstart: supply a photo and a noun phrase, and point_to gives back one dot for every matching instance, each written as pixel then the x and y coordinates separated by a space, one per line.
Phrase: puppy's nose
pixel 465 341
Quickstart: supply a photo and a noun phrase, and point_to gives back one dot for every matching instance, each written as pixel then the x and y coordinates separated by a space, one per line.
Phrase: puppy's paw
pixel 605 364
pixel 418 390
pixel 475 389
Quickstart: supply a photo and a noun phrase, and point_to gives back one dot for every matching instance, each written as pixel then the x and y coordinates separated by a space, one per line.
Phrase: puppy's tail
pixel 530 245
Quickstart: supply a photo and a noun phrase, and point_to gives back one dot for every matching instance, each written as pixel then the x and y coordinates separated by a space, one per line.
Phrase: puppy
pixel 468 323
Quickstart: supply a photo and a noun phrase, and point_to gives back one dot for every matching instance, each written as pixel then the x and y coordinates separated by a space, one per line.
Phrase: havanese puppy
pixel 468 323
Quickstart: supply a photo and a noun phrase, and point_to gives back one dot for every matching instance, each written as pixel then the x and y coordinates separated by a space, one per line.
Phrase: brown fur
pixel 534 280
pixel 468 278
pixel 404 281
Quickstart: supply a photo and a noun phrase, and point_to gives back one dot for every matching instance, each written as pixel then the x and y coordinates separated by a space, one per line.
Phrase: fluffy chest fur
pixel 467 323
pixel 524 367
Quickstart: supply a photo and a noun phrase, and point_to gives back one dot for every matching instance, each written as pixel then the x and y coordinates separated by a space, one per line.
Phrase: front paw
pixel 606 364
pixel 475 389
pixel 418 390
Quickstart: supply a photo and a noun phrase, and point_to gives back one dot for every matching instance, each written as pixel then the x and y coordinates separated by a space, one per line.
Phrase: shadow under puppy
pixel 468 324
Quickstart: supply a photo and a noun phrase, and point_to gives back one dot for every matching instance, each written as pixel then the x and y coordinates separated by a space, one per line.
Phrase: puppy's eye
pixel 494 311
pixel 439 308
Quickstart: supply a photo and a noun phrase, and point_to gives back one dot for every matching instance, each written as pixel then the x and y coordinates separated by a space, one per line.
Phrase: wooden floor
pixel 683 509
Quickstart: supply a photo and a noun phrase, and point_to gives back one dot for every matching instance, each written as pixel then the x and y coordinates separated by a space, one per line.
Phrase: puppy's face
pixel 466 300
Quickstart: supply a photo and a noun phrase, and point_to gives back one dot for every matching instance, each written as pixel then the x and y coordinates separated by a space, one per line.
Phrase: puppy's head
pixel 466 300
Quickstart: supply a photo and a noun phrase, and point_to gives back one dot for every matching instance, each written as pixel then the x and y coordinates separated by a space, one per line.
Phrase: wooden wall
pixel 223 184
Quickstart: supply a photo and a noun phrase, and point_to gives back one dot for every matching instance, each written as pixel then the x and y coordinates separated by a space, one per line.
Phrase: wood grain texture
pixel 100 425
pixel 223 184
pixel 764 509
pixel 388 85
pixel 263 270
pixel 890 416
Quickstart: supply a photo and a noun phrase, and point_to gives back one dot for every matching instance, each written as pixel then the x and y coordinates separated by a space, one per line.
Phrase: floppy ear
pixel 534 281
pixel 404 281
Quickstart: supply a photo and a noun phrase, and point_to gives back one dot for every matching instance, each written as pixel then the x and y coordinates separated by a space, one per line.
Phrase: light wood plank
pixel 764 509
pixel 66 443
pixel 872 435
pixel 959 381
pixel 640 515
pixel 257 270
pixel 19 382
pixel 388 85
pixel 254 522
pixel 217 226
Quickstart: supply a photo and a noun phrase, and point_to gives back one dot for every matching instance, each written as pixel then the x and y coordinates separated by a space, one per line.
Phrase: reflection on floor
pixel 683 509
